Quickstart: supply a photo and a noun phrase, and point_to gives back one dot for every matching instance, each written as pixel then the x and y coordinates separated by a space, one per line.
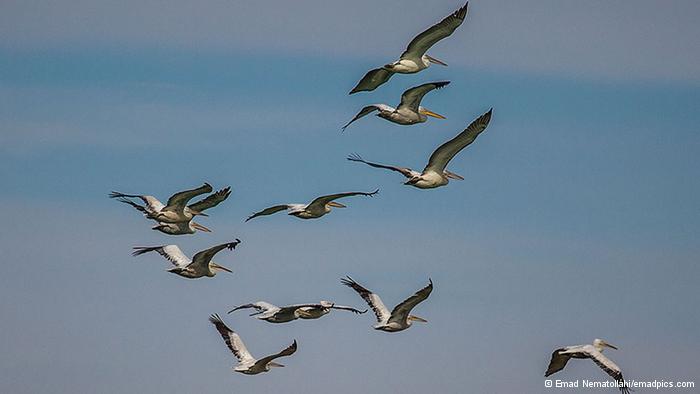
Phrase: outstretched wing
pixel 171 252
pixel 442 155
pixel 363 112
pixel 178 201
pixel 373 300
pixel 348 308
pixel 212 200
pixel 558 361
pixel 260 307
pixel 204 257
pixel 320 202
pixel 411 98
pixel 401 311
pixel 609 367
pixel 268 211
pixel 233 341
pixel 152 206
pixel 372 80
pixel 422 42
pixel 286 352
pixel 403 170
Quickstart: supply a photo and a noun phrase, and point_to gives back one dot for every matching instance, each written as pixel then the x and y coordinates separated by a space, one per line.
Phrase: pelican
pixel 190 227
pixel 274 314
pixel 409 110
pixel 176 209
pixel 200 265
pixel 247 364
pixel 595 352
pixel 313 210
pixel 414 58
pixel 435 173
pixel 399 319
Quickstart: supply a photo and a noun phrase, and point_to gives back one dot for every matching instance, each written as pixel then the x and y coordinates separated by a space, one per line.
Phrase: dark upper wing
pixel 320 202
pixel 179 200
pixel 422 42
pixel 286 352
pixel 372 80
pixel 401 311
pixel 363 112
pixel 268 211
pixel 205 256
pixel 403 170
pixel 558 362
pixel 212 200
pixel 442 155
pixel 412 97
pixel 348 308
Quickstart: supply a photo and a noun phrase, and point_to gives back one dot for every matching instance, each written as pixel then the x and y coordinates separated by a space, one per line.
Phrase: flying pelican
pixel 176 209
pixel 435 173
pixel 313 210
pixel 247 364
pixel 409 110
pixel 200 265
pixel 190 227
pixel 275 314
pixel 414 58
pixel 399 319
pixel 595 352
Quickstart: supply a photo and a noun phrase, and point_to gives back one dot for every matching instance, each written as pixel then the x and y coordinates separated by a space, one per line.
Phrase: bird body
pixel 435 173
pixel 591 351
pixel 247 364
pixel 313 210
pixel 199 266
pixel 274 314
pixel 399 318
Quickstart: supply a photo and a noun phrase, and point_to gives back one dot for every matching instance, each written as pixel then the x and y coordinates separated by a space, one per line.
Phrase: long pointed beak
pixel 220 267
pixel 610 346
pixel 274 364
pixel 416 318
pixel 452 175
pixel 336 204
pixel 428 112
pixel 436 61
pixel 199 227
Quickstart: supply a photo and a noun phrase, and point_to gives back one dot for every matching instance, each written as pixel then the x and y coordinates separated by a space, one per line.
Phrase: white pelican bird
pixel 176 209
pixel 595 352
pixel 313 210
pixel 190 227
pixel 414 58
pixel 435 173
pixel 247 364
pixel 398 319
pixel 200 265
pixel 274 314
pixel 409 110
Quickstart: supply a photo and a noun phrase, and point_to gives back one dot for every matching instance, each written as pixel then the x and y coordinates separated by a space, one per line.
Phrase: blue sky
pixel 578 217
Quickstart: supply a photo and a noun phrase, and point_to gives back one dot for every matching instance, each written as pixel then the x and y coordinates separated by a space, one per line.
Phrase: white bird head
pixel 326 304
pixel 600 344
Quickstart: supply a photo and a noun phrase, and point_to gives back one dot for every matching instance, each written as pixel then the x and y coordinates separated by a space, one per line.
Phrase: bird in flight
pixel 275 314
pixel 199 266
pixel 313 210
pixel 435 173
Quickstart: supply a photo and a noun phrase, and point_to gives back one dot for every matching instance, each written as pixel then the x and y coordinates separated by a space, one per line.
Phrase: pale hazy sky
pixel 578 217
